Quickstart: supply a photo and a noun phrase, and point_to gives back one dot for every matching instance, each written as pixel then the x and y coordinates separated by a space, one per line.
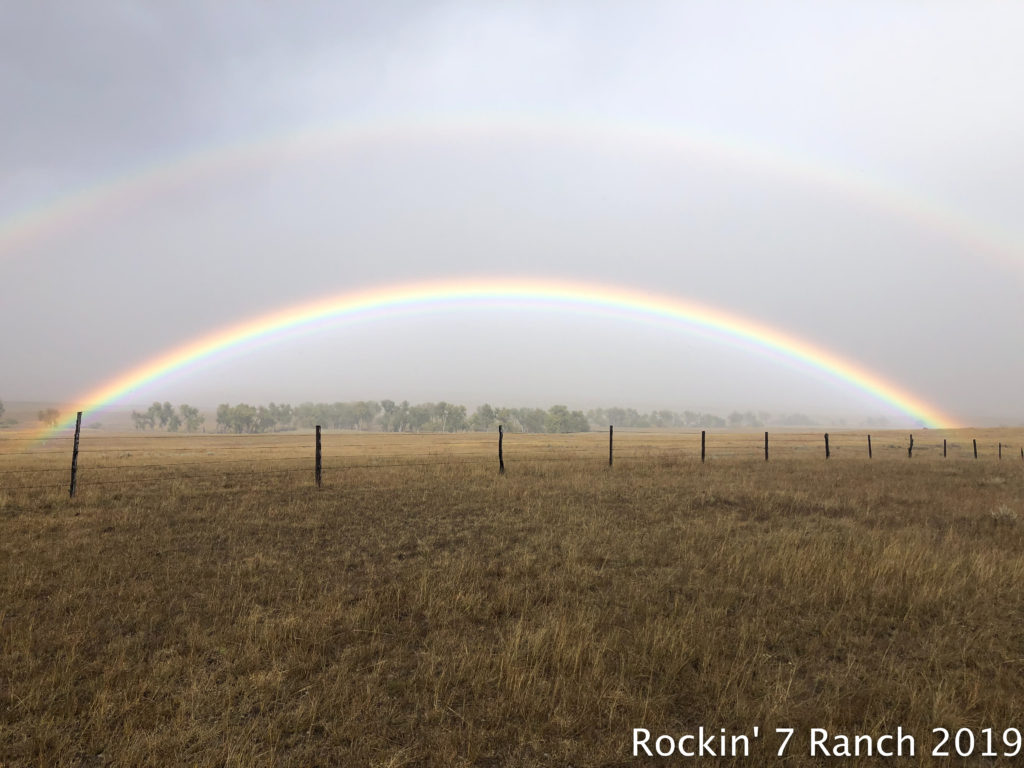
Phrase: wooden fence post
pixel 827 452
pixel 766 446
pixel 611 430
pixel 74 455
pixel 869 446
pixel 501 456
pixel 702 435
pixel 943 447
pixel 975 447
pixel 1000 451
pixel 319 464
pixel 910 448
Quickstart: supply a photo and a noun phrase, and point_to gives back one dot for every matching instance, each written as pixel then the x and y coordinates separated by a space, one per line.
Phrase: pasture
pixel 201 602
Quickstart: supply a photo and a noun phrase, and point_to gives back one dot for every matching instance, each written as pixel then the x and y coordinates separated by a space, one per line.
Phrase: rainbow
pixel 118 195
pixel 566 296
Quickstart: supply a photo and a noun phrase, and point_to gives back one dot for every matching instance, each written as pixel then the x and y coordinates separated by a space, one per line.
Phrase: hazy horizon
pixel 846 173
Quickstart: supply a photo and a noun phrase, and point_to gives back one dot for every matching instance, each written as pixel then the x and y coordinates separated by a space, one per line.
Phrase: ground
pixel 420 609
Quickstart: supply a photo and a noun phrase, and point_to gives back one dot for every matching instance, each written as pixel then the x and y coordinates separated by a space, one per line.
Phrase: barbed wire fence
pixel 25 465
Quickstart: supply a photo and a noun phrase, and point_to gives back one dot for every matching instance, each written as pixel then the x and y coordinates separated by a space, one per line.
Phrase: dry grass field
pixel 201 602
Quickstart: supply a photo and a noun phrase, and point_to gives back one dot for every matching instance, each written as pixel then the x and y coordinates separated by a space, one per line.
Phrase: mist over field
pixel 846 174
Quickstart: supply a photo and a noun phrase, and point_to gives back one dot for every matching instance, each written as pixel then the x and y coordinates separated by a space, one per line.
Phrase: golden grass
pixel 437 614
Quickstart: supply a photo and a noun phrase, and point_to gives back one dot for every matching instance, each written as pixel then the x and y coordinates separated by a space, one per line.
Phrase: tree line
pixel 389 416
pixel 164 416
pixel 631 418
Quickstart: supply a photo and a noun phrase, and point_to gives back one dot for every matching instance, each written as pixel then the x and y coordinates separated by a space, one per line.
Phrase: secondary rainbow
pixel 110 198
pixel 574 297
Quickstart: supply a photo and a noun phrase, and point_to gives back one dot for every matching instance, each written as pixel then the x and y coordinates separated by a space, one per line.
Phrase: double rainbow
pixel 571 297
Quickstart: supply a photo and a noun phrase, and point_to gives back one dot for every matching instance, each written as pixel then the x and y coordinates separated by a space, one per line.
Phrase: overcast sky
pixel 850 173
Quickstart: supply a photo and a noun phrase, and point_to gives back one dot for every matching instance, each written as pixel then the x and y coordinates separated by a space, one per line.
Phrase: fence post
pixel 910 448
pixel 611 430
pixel 975 447
pixel 828 453
pixel 943 447
pixel 501 457
pixel 1000 451
pixel 869 446
pixel 74 455
pixel 318 461
pixel 702 435
pixel 766 446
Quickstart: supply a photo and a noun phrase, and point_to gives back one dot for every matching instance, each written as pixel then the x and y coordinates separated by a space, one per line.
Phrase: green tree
pixel 482 419
pixel 191 417
pixel 142 421
pixel 239 418
pixel 387 421
pixel 557 419
pixel 266 420
pixel 243 418
pixel 531 419
pixel 420 417
pixel 456 418
pixel 173 422
pixel 1 409
pixel 364 412
pixel 223 417
pixel 401 416
pixel 281 414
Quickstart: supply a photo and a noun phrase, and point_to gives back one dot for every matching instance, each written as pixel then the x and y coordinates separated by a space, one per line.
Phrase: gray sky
pixel 849 173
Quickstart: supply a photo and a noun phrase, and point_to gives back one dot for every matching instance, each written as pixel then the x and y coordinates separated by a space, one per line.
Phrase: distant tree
pixel 264 421
pixel 710 420
pixel 142 421
pixel 448 417
pixel 1 408
pixel 455 418
pixel 617 417
pixel 664 419
pixel 223 417
pixel 439 418
pixel 401 416
pixel 173 422
pixel 364 412
pixel 388 420
pixel 239 418
pixel 531 419
pixel 303 415
pixel 50 416
pixel 557 419
pixel 243 418
pixel 341 416
pixel 483 418
pixel 166 413
pixel 578 422
pixel 281 414
pixel 191 417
